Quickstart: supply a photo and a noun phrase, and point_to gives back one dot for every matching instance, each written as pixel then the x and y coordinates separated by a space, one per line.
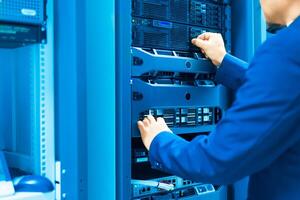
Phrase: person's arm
pixel 260 126
pixel 231 72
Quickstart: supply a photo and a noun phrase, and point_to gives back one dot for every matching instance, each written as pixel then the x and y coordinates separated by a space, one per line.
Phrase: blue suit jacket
pixel 258 136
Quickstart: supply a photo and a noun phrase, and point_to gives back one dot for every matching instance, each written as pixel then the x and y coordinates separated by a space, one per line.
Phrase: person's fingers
pixel 162 124
pixel 200 43
pixel 161 120
pixel 204 36
pixel 146 122
pixel 141 126
pixel 151 119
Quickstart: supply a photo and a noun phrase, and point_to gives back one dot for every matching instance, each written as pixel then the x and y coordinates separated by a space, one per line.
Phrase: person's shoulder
pixel 285 43
pixel 278 58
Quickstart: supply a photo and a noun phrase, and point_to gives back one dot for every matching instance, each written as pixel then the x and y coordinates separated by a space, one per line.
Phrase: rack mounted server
pixel 22 22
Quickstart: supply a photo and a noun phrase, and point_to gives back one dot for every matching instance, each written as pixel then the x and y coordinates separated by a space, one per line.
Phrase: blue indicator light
pixel 162 24
pixel 141 160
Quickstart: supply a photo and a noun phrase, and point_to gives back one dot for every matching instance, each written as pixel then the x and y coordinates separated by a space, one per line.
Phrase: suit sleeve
pixel 231 72
pixel 255 131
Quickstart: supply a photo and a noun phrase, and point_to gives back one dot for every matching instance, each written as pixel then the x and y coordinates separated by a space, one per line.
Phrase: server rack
pixel 171 79
pixel 27 91
pixel 109 123
pixel 129 89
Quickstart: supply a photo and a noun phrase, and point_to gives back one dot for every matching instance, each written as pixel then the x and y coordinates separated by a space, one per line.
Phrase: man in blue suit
pixel 260 134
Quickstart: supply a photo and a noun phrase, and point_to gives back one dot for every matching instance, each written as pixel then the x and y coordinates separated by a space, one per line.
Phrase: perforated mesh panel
pixel 155 10
pixel 151 8
pixel 22 11
pixel 203 13
pixel 43 112
pixel 179 11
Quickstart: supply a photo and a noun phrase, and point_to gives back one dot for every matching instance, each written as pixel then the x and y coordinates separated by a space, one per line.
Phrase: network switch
pixel 182 187
pixel 17 35
pixel 195 191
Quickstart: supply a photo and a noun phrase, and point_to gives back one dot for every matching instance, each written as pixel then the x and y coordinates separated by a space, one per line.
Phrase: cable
pixel 156 184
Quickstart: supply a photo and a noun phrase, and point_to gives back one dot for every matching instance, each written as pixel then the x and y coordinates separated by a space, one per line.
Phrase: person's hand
pixel 150 128
pixel 212 46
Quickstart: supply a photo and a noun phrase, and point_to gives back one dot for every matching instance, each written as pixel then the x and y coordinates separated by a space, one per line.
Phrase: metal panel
pixel 70 97
pixel 101 111
pixel 174 96
pixel 243 29
pixel 260 33
pixel 123 119
pixel 153 62
pixel 6 57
